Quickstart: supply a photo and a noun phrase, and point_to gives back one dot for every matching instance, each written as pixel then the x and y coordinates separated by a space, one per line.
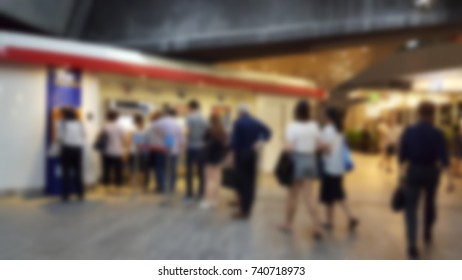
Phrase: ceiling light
pixel 412 43
pixel 424 4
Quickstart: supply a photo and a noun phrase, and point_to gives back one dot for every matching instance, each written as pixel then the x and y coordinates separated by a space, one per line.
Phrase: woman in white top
pixel 71 136
pixel 303 139
pixel 113 151
pixel 333 147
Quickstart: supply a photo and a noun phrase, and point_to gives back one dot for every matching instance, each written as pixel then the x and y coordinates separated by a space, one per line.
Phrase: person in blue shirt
pixel 247 138
pixel 423 155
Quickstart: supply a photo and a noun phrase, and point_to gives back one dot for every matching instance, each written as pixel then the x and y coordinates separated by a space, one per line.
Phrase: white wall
pixel 22 126
pixel 276 112
pixel 92 120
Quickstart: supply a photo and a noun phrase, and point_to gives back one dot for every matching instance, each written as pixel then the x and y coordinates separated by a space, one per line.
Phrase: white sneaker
pixel 206 205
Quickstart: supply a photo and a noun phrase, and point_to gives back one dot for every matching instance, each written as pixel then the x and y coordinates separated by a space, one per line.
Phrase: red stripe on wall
pixel 183 76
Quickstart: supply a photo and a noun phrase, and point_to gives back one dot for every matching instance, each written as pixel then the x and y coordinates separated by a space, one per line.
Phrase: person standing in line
pixel 303 140
pixel 332 190
pixel 155 146
pixel 196 129
pixel 137 159
pixel 247 139
pixel 172 136
pixel 71 136
pixel 114 151
pixel 215 151
pixel 423 155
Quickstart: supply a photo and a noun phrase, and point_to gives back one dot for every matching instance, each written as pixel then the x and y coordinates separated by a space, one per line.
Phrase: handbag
pixel 347 158
pixel 398 201
pixel 284 170
pixel 101 142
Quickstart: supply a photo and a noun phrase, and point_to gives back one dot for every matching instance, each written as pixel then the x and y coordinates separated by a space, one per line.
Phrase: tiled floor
pixel 137 227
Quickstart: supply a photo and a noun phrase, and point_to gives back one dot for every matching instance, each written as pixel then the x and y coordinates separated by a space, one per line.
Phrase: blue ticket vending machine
pixel 63 90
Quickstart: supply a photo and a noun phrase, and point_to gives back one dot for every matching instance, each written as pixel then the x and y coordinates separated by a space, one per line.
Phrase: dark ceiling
pixel 320 40
pixel 216 30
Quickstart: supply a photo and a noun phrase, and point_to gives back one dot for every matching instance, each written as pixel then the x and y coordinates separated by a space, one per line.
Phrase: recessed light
pixel 412 43
pixel 424 4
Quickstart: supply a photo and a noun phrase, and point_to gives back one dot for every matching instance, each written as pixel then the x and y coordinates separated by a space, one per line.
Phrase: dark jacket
pixel 423 144
pixel 247 131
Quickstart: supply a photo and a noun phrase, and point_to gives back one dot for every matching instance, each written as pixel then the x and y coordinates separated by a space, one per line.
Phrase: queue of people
pixel 316 153
pixel 155 149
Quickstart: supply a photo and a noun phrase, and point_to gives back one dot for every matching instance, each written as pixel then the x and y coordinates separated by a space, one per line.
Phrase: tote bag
pixel 347 158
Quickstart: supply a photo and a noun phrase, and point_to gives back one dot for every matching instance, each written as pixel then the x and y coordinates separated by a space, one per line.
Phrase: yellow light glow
pixel 373 110
pixel 355 94
pixel 393 101
pixel 412 101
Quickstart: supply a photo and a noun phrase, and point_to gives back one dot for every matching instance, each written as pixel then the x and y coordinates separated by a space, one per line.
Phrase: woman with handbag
pixel 71 136
pixel 215 149
pixel 303 141
pixel 334 161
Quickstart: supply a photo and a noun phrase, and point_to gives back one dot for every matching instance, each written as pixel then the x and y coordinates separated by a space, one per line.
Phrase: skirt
pixel 331 189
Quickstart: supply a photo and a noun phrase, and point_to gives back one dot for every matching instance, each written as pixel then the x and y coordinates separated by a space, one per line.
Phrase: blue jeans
pixel 156 165
pixel 166 172
pixel 195 159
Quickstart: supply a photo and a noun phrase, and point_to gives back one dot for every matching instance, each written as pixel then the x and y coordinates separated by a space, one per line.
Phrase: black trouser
pixel 195 159
pixel 71 162
pixel 246 173
pixel 150 168
pixel 112 165
pixel 418 179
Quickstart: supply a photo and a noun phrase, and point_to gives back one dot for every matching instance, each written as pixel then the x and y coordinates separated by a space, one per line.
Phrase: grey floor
pixel 136 226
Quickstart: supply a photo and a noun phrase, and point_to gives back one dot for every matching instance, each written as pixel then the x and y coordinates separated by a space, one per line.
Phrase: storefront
pixel 376 106
pixel 114 77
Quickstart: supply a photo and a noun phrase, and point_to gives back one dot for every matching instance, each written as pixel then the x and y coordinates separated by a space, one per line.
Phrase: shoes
pixel 353 224
pixel 207 205
pixel 413 253
pixel 317 236
pixel 241 216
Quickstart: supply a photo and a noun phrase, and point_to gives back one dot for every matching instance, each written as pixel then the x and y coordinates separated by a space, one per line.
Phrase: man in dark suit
pixel 247 138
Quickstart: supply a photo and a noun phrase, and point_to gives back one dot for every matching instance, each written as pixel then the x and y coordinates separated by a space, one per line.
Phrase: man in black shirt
pixel 422 155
